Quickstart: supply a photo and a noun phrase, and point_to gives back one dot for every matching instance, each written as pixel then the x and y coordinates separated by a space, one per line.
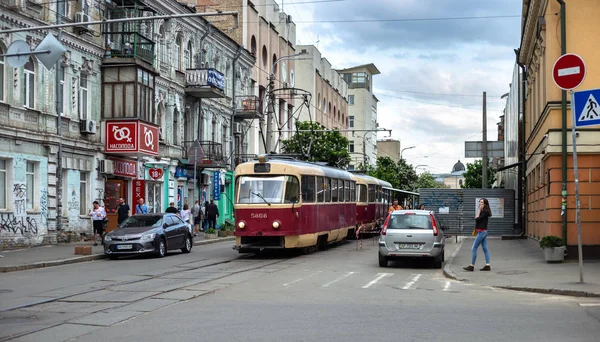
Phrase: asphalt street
pixel 340 294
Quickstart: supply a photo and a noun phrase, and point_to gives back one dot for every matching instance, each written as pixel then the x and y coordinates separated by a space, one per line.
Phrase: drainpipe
pixel 522 195
pixel 233 84
pixel 563 50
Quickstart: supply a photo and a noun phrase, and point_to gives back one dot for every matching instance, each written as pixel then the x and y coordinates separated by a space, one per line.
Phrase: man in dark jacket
pixel 212 212
pixel 172 209
pixel 123 211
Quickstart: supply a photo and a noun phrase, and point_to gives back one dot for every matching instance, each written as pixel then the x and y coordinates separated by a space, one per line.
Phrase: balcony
pixel 247 107
pixel 204 83
pixel 207 153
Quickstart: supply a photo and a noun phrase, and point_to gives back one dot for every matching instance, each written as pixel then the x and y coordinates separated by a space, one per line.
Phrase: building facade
pixel 389 148
pixel 362 113
pixel 453 180
pixel 269 34
pixel 328 104
pixel 550 208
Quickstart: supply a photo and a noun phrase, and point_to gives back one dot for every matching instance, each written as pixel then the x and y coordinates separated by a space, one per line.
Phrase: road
pixel 339 294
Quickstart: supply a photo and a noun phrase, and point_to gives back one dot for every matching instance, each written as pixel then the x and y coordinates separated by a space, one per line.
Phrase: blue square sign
pixel 587 108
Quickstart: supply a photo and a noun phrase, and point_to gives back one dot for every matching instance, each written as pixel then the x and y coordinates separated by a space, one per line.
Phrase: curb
pixel 448 273
pixel 570 293
pixel 43 264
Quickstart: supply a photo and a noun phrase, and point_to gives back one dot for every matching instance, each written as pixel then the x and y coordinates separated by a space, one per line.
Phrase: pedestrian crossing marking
pixel 303 278
pixel 447 286
pixel 590 111
pixel 338 279
pixel 377 279
pixel 411 283
pixel 589 304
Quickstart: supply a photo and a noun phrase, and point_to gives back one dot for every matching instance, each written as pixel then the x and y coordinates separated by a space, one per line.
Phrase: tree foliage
pixel 318 145
pixel 474 174
pixel 400 175
pixel 427 181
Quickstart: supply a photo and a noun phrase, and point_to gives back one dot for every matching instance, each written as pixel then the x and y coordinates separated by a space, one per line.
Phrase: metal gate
pixel 456 208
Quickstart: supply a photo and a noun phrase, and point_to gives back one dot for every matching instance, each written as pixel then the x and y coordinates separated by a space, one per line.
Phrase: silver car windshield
pixel 142 221
pixel 409 221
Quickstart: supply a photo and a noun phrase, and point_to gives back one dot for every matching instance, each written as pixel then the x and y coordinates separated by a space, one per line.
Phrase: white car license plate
pixel 409 246
pixel 124 246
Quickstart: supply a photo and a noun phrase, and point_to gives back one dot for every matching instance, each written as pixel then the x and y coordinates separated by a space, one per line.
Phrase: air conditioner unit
pixel 87 126
pixel 237 128
pixel 107 166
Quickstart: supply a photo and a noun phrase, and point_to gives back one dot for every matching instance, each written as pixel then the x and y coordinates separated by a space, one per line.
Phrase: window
pixel 177 53
pixel 350 99
pixel 292 190
pixel 189 61
pixel 30 179
pixel 347 197
pixel 351 146
pixel 83 205
pixel 319 101
pixel 3 188
pixel 83 96
pixel 61 91
pixel 320 189
pixel 352 192
pixel 308 189
pixel 328 190
pixel 258 190
pixel 334 190
pixel 372 193
pixel 351 121
pixel 363 193
pixel 324 105
pixel 1 76
pixel 29 84
pixel 154 196
pixel 62 8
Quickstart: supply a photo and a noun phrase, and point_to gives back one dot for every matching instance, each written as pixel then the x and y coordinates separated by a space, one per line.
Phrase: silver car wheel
pixel 162 249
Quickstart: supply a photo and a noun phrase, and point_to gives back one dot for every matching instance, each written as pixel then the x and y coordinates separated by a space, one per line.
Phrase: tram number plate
pixel 409 246
pixel 124 246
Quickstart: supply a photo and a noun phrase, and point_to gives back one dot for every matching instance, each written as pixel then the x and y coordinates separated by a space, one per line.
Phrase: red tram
pixel 290 204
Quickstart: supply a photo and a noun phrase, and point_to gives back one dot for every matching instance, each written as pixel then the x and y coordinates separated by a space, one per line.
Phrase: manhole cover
pixel 512 272
pixel 5 291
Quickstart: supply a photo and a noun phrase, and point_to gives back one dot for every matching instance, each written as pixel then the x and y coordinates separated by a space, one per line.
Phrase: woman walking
pixel 98 214
pixel 185 216
pixel 481 223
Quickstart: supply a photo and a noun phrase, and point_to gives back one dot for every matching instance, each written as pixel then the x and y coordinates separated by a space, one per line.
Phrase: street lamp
pixel 406 148
pixel 271 96
pixel 416 167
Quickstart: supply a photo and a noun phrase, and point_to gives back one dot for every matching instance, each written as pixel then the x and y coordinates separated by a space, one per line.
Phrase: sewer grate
pixel 515 272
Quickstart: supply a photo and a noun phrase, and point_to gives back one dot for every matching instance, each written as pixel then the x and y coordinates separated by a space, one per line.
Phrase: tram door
pixel 113 190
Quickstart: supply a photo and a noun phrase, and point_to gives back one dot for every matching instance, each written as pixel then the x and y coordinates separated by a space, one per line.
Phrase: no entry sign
pixel 568 71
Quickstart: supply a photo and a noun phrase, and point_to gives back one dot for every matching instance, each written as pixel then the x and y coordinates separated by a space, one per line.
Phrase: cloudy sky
pixel 435 59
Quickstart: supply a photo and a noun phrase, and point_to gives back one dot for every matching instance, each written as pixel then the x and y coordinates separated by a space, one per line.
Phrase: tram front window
pixel 268 190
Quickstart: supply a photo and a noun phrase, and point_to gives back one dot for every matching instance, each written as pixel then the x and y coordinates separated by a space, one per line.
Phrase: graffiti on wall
pixel 44 206
pixel 20 199
pixel 73 203
pixel 15 224
pixel 439 199
pixel 100 196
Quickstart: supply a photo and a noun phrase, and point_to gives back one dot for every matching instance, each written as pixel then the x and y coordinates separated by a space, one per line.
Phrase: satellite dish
pixel 20 51
pixel 49 51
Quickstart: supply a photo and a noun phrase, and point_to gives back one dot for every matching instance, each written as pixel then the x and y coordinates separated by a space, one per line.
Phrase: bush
pixel 228 225
pixel 551 241
pixel 211 231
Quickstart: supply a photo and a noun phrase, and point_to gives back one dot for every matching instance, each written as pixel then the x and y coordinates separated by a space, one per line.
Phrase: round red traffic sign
pixel 568 71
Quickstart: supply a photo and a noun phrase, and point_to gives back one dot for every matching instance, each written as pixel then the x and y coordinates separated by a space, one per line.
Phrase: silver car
pixel 411 234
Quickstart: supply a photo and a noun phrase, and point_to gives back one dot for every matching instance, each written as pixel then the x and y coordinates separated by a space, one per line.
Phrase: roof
pixel 371 68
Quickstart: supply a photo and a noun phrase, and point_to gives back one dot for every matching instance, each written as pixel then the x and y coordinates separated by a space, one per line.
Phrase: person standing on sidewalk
pixel 212 212
pixel 141 208
pixel 171 209
pixel 196 214
pixel 123 211
pixel 185 216
pixel 481 223
pixel 98 214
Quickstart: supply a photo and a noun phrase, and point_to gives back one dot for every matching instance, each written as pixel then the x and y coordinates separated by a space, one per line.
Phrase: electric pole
pixel 270 111
pixel 484 168
pixel 59 108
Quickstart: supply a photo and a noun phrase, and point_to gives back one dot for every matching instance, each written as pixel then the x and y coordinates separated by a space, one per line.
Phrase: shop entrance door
pixel 113 190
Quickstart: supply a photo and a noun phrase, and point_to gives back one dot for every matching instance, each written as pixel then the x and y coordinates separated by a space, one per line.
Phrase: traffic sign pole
pixel 576 174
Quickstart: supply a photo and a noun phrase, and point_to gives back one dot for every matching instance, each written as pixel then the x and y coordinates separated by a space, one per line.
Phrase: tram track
pixel 180 269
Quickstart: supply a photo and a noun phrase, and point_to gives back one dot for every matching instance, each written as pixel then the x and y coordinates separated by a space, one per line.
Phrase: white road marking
pixel 300 279
pixel 338 279
pixel 447 286
pixel 378 278
pixel 589 304
pixel 410 283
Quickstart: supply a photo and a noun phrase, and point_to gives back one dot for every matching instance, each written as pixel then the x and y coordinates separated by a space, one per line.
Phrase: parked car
pixel 149 233
pixel 411 234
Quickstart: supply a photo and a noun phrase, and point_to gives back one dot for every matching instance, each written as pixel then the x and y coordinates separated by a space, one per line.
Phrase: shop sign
pixel 216 186
pixel 124 168
pixel 139 191
pixel 131 137
pixel 180 172
pixel 155 173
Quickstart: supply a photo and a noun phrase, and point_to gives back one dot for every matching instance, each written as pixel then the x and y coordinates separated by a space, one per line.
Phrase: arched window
pixel 177 53
pixel 319 101
pixel 162 46
pixel 29 84
pixel 275 68
pixel 264 56
pixel 334 112
pixel 160 114
pixel 324 105
pixel 176 126
pixel 253 46
pixel 189 61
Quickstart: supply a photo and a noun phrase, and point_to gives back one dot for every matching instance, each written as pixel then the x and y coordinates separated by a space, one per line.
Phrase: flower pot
pixel 554 254
pixel 222 233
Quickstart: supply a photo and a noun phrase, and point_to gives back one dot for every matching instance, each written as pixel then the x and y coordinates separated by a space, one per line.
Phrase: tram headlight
pixel 276 224
pixel 241 225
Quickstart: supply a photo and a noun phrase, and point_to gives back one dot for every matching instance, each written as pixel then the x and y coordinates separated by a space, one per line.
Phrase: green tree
pixel 427 181
pixel 407 176
pixel 385 169
pixel 473 175
pixel 318 145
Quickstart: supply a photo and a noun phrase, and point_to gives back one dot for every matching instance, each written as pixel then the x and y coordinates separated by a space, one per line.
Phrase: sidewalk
pixel 61 254
pixel 520 265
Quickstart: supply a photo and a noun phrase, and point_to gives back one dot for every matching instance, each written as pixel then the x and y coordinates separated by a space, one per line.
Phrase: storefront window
pixel 154 197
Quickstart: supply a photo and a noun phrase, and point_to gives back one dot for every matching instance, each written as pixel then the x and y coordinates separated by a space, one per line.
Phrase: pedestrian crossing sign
pixel 587 107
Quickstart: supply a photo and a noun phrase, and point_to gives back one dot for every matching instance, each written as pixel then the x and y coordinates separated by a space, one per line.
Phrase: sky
pixel 435 60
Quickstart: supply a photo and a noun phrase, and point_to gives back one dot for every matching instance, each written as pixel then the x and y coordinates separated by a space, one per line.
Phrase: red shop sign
pixel 124 168
pixel 139 191
pixel 155 173
pixel 131 137
pixel 148 139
